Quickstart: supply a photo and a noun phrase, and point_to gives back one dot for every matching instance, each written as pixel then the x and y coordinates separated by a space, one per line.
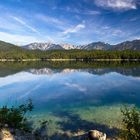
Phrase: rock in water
pixel 96 135
pixel 6 135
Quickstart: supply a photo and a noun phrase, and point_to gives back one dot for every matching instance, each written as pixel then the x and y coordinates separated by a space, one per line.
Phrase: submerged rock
pixel 6 135
pixel 96 135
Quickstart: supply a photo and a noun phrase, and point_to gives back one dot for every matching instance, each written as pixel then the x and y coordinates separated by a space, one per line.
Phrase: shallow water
pixel 72 98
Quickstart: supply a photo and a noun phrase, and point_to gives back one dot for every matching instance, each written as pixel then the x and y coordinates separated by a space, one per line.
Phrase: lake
pixel 72 96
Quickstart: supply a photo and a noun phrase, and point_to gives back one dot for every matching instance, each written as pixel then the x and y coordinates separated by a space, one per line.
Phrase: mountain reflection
pixel 124 71
pixel 72 86
pixel 99 68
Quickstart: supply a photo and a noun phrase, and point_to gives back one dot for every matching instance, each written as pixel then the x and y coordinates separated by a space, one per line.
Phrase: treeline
pixel 86 55
pixel 20 54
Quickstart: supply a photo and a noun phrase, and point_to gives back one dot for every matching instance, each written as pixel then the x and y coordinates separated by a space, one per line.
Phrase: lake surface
pixel 72 96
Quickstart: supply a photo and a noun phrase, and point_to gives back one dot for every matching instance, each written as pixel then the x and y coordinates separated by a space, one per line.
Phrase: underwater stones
pixel 6 135
pixel 96 135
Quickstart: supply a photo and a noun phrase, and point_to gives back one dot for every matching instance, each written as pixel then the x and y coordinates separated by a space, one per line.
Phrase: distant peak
pixel 99 45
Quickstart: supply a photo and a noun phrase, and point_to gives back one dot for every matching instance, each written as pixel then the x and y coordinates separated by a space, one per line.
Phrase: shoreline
pixel 92 60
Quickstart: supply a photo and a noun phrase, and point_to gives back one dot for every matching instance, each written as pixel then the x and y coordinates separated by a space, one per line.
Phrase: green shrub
pixel 131 123
pixel 14 117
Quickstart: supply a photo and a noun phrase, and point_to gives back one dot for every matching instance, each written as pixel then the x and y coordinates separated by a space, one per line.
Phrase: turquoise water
pixel 71 98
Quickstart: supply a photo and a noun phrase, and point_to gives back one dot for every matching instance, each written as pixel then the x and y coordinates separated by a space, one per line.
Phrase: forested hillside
pixel 4 46
pixel 9 51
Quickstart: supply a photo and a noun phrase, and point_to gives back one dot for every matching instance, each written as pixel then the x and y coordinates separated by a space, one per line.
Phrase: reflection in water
pixel 126 68
pixel 99 71
pixel 84 97
pixel 76 85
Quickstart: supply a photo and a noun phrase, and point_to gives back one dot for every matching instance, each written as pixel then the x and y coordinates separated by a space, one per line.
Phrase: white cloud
pixel 117 4
pixel 10 25
pixel 24 24
pixel 81 11
pixel 134 18
pixel 17 38
pixel 49 19
pixel 117 32
pixel 17 31
pixel 58 23
pixel 91 12
pixel 133 37
pixel 75 29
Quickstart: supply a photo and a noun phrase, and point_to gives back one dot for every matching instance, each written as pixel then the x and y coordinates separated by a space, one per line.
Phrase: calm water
pixel 72 98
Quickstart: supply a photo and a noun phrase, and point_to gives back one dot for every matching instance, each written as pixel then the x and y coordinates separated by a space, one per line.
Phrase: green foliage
pixel 131 122
pixel 9 51
pixel 14 117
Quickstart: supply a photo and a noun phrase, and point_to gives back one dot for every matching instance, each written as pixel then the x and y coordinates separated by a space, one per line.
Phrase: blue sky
pixel 69 21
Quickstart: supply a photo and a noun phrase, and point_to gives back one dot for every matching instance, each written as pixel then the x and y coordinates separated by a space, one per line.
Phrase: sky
pixel 69 21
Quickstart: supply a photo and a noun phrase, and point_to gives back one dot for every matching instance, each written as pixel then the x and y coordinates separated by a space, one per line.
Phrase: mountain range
pixel 127 45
